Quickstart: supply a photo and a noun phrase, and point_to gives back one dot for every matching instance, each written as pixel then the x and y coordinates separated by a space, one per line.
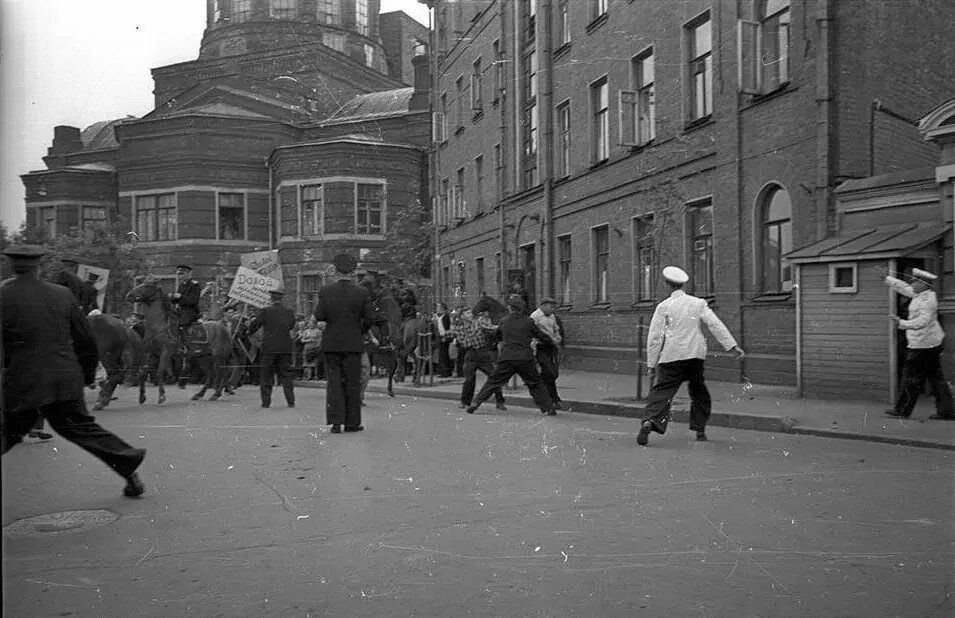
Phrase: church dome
pixel 237 27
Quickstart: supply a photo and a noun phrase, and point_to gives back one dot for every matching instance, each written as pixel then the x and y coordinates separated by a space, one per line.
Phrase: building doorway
pixel 529 265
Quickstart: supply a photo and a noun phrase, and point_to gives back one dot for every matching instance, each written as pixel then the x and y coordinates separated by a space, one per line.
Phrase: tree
pixel 409 243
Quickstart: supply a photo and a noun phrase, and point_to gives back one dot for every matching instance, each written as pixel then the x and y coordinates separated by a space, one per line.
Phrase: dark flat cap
pixel 25 252
pixel 516 301
pixel 345 263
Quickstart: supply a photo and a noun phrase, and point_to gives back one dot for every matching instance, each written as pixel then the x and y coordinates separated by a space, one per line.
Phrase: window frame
pixel 692 238
pixel 329 12
pixel 645 92
pixel 479 181
pixel 301 291
pixel 245 214
pixel 479 279
pixel 833 278
pixel 563 23
pixel 763 226
pixel 89 223
pixel 477 86
pixel 598 8
pixel 600 120
pixel 565 269
pixel 642 273
pixel 284 9
pixel 318 214
pixel 296 188
pixel 137 209
pixel 241 11
pixel 601 295
pixel 362 25
pixel 696 59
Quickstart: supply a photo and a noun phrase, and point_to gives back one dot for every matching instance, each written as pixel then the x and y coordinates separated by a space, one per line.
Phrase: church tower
pixel 238 27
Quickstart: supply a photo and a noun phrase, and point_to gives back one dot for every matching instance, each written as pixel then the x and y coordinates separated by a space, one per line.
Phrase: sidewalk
pixel 743 406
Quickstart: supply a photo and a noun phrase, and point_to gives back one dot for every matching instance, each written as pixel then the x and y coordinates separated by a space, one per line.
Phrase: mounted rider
pixel 186 300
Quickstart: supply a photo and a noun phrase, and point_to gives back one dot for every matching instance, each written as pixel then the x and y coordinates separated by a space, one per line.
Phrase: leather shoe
pixel 940 417
pixel 462 405
pixel 701 436
pixel 266 405
pixel 354 427
pixel 500 406
pixel 471 409
pixel 644 436
pixel 134 486
pixel 336 429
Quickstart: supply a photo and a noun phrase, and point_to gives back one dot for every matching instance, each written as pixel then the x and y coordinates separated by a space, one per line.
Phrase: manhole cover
pixel 57 523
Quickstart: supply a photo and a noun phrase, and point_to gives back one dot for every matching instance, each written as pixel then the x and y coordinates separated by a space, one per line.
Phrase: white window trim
pixel 245 214
pixel 594 146
pixel 356 180
pixel 647 216
pixel 687 45
pixel 698 202
pixel 320 224
pixel 854 288
pixel 135 195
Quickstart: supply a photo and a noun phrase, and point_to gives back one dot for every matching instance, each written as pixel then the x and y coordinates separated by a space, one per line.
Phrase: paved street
pixel 433 512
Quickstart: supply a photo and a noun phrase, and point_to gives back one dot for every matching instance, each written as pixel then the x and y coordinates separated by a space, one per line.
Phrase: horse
pixel 210 342
pixel 385 327
pixel 162 339
pixel 119 348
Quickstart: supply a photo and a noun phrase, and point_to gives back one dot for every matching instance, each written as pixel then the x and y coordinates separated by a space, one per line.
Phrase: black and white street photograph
pixel 497 308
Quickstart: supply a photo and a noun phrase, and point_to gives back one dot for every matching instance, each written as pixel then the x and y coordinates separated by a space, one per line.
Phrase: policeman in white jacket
pixel 924 336
pixel 676 349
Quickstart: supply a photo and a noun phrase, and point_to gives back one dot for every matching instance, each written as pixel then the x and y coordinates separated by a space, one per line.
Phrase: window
pixel 445 198
pixel 643 258
pixel 600 133
pixel 498 172
pixel 369 208
pixel 419 47
pixel 92 217
pixel 310 286
pixel 601 261
pixel 598 8
pixel 334 40
pixel 458 195
pixel 477 86
pixel 529 118
pixel 563 139
pixel 216 11
pixel 777 240
pixel 330 12
pixel 479 274
pixel 283 9
pixel 47 220
pixel 443 31
pixel 361 17
pixel 563 22
pixel 700 222
pixel 339 207
pixel 638 106
pixel 156 217
pixel 529 19
pixel 369 55
pixel 288 211
pixel 479 181
pixel 700 68
pixel 241 10
pixel 564 257
pixel 231 216
pixel 843 278
pixel 312 210
pixel 774 38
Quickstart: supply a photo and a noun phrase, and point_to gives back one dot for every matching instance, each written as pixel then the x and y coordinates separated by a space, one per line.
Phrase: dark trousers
pixel 343 393
pixel 670 376
pixel 445 364
pixel 270 366
pixel 547 358
pixel 921 365
pixel 478 359
pixel 504 370
pixel 71 420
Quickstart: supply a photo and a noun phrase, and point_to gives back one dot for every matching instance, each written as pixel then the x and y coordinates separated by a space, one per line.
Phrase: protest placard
pixel 253 288
pixel 265 263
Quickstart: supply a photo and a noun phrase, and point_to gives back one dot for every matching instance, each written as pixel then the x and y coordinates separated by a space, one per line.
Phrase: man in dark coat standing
pixel 48 355
pixel 90 295
pixel 516 331
pixel 346 308
pixel 68 279
pixel 275 356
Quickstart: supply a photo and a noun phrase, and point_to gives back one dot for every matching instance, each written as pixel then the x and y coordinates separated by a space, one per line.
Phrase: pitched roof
pixel 878 242
pixel 375 104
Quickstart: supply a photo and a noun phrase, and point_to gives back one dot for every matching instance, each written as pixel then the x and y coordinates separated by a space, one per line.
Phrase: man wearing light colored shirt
pixel 676 349
pixel 547 353
pixel 924 336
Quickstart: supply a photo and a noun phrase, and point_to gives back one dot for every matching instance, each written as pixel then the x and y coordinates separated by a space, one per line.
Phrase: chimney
pixel 66 139
pixel 422 82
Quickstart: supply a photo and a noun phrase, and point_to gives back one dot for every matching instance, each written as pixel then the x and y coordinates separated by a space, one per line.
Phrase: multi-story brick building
pixel 582 145
pixel 300 127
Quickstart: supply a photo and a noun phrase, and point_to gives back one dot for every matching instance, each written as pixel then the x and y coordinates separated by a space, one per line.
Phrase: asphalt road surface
pixel 434 512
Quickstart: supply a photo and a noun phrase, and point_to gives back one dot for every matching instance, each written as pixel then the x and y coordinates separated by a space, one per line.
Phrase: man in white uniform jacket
pixel 924 336
pixel 676 349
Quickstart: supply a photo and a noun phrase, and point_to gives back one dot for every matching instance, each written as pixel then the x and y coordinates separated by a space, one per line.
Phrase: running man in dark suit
pixel 516 331
pixel 346 308
pixel 275 356
pixel 48 355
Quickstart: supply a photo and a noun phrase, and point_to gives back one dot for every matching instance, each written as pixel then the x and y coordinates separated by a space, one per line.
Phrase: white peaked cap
pixel 924 275
pixel 676 275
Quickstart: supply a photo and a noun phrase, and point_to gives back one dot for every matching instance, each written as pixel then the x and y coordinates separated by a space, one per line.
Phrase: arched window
pixel 776 232
pixel 774 19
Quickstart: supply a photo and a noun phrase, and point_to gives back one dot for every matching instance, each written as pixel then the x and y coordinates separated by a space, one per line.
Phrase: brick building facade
pixel 300 127
pixel 589 143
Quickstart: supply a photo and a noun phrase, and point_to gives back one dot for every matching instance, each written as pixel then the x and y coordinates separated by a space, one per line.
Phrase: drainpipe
pixel 501 173
pixel 436 284
pixel 827 145
pixel 272 234
pixel 546 67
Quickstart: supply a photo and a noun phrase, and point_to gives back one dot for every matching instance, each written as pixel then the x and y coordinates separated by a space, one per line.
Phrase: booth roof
pixel 874 243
